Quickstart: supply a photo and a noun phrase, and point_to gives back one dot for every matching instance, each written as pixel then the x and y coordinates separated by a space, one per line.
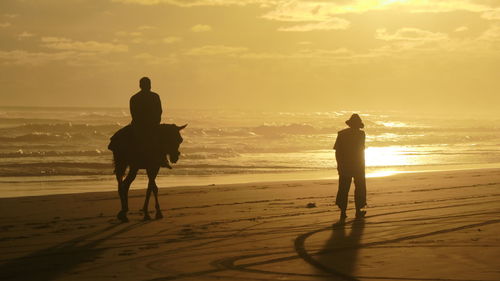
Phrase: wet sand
pixel 422 226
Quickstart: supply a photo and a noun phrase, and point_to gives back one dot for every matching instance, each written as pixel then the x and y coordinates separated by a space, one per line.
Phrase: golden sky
pixel 254 54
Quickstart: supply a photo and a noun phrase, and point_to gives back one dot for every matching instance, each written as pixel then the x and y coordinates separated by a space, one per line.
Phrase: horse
pixel 129 153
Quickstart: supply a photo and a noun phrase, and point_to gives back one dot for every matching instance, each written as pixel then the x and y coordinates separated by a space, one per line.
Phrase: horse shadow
pixel 50 263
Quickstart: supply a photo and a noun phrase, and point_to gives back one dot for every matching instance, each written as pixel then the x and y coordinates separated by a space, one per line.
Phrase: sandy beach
pixel 420 226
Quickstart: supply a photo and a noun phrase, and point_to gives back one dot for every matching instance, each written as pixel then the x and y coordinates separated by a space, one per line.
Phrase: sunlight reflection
pixel 389 2
pixel 392 124
pixel 378 174
pixel 389 156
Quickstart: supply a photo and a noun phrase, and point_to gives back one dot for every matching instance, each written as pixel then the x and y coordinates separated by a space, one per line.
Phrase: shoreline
pixel 42 188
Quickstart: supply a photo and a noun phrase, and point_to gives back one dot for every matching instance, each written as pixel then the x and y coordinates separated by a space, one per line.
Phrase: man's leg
pixel 360 193
pixel 342 193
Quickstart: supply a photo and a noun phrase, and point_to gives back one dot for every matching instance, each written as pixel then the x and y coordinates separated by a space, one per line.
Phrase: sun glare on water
pixel 388 156
pixel 389 2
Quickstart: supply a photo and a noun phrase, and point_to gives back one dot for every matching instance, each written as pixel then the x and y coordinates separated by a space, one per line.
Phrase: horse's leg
pixel 124 187
pixel 119 173
pixel 148 195
pixel 132 173
pixel 146 203
pixel 152 178
pixel 159 215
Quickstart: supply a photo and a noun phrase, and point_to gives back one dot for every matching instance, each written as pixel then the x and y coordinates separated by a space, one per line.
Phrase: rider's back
pixel 145 108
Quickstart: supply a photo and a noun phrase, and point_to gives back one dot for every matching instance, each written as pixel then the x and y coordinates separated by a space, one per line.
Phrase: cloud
pixel 317 54
pixel 21 57
pixel 331 24
pixel 135 37
pixel 461 29
pixel 321 56
pixel 299 11
pixel 195 3
pixel 146 27
pixel 140 2
pixel 25 35
pixel 492 34
pixel 293 10
pixel 58 43
pixel 409 34
pixel 433 6
pixel 68 57
pixel 155 60
pixel 320 11
pixel 5 24
pixel 216 50
pixel 171 39
pixel 128 34
pixel 491 14
pixel 341 53
pixel 410 39
pixel 201 28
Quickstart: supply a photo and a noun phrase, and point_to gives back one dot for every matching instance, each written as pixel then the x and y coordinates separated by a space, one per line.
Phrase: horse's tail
pixel 119 144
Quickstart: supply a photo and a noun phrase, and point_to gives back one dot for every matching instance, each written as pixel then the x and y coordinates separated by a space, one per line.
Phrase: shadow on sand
pixel 50 263
pixel 340 253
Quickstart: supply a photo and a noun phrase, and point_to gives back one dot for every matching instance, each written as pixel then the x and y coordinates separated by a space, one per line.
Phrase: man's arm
pixel 363 137
pixel 133 109
pixel 337 142
pixel 339 153
pixel 158 110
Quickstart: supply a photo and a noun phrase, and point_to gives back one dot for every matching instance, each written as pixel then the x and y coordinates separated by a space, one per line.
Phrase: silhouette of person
pixel 145 108
pixel 350 155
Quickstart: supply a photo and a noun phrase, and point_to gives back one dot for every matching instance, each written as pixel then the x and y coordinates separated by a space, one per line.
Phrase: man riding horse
pixel 145 108
pixel 144 144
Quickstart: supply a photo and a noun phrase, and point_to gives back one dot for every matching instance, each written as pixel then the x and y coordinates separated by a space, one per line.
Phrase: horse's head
pixel 172 139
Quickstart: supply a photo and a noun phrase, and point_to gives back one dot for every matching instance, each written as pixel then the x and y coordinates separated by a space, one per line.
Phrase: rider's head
pixel 145 84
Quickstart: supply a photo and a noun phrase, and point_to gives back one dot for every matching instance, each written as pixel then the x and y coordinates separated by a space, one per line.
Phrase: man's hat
pixel 355 122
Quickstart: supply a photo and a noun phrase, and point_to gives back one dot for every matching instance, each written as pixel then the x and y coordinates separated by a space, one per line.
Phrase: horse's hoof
pixel 122 216
pixel 159 215
pixel 147 217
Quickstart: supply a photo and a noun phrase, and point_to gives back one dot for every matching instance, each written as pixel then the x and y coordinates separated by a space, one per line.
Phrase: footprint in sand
pixel 186 230
pixel 127 253
pixel 13 238
pixel 41 226
pixel 149 246
pixel 62 230
pixel 6 227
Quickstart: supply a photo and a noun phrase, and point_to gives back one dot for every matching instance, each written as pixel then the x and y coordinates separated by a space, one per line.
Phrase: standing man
pixel 350 155
pixel 145 108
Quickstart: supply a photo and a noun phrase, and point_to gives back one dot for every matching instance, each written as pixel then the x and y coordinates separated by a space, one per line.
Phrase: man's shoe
pixel 343 214
pixel 360 214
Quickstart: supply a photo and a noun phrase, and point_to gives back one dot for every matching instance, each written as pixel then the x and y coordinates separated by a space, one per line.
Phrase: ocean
pixel 64 150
